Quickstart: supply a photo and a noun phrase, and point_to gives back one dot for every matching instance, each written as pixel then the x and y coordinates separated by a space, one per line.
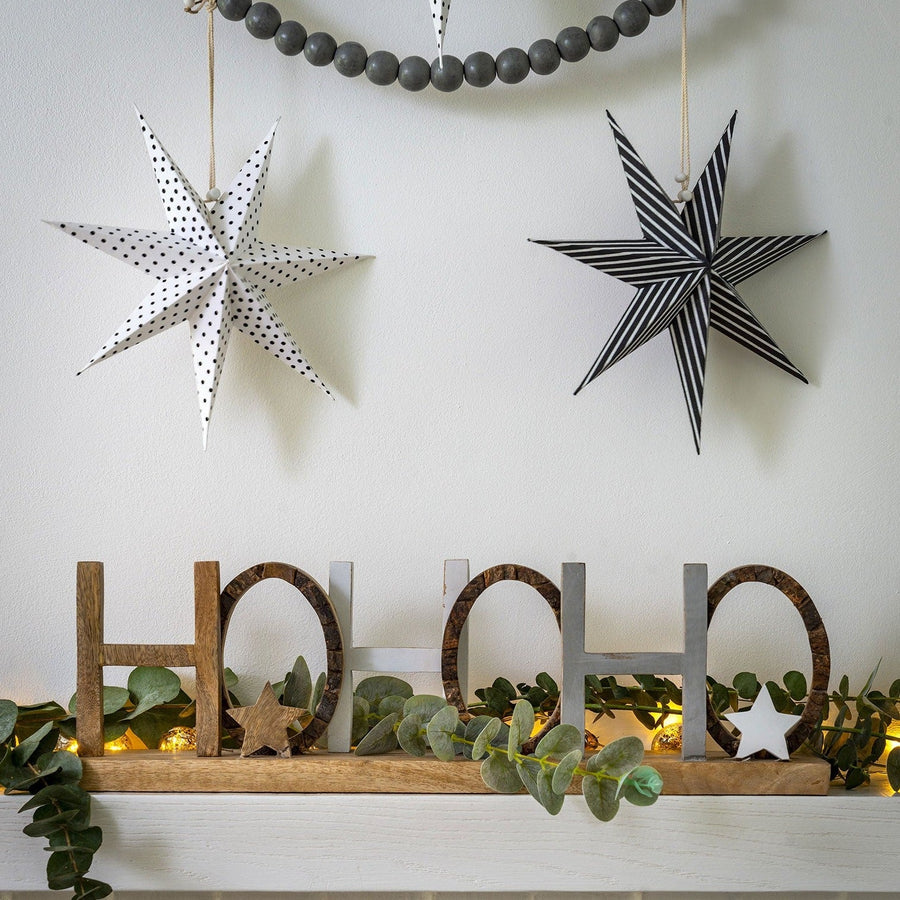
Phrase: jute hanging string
pixel 684 175
pixel 194 7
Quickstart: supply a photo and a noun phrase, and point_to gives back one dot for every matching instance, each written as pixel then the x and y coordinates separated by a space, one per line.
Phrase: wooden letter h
pixel 204 655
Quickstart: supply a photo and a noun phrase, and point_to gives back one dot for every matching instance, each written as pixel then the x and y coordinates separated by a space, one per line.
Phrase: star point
pixel 684 273
pixel 211 269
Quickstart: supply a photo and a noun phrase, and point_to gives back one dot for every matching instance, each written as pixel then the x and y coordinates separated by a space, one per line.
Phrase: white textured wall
pixel 454 353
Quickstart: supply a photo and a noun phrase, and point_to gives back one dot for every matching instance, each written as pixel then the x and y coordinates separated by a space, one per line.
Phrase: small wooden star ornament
pixel 265 723
pixel 762 727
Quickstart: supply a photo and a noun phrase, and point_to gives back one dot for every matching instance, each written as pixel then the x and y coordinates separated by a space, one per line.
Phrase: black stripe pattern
pixel 685 274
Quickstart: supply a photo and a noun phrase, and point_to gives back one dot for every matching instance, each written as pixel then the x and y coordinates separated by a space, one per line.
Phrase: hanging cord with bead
pixel 193 7
pixel 684 176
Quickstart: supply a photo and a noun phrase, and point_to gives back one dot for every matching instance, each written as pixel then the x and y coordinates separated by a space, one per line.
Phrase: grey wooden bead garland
pixel 263 21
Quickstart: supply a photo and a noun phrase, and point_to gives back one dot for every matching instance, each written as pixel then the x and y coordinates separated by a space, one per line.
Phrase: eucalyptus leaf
pixel 392 704
pixel 9 712
pixel 550 799
pixel 795 682
pixel 86 839
pixel 844 687
pixel 23 752
pixel 411 737
pixel 63 765
pixel 424 705
pixel 501 775
pixel 64 870
pixel 377 687
pixel 528 770
pixel 47 820
pixel 559 741
pixel 91 889
pixel 381 739
pixel 893 768
pixel 505 687
pixel 231 679
pixel 490 730
pixel 66 793
pixel 298 686
pixel 360 719
pixel 746 685
pixel 642 786
pixel 600 794
pixel 114 698
pixel 520 727
pixel 565 771
pixel 151 685
pixel 318 692
pixel 440 730
pixel 617 758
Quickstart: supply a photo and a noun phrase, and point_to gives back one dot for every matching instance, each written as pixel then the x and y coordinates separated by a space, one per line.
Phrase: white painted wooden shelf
pixel 401 842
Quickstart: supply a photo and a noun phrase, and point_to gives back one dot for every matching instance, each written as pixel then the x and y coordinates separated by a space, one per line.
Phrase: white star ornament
pixel 685 274
pixel 762 727
pixel 211 269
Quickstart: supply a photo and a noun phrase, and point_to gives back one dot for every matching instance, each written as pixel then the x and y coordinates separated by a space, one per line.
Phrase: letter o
pixel 818 645
pixel 462 606
pixel 334 647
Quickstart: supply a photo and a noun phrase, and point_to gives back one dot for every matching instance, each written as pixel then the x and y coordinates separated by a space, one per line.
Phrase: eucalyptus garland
pixel 415 73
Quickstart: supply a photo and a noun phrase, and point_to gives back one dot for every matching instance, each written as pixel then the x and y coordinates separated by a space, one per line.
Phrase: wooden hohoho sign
pixel 213 609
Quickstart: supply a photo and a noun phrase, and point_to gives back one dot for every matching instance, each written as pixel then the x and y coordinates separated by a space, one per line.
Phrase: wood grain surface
pixel 395 773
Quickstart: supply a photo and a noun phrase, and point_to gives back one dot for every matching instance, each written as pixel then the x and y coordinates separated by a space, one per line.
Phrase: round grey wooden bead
pixel 350 59
pixel 382 67
pixel 632 17
pixel 290 38
pixel 235 10
pixel 262 20
pixel 513 65
pixel 448 77
pixel 320 48
pixel 659 7
pixel 414 73
pixel 603 33
pixel 480 69
pixel 573 44
pixel 544 57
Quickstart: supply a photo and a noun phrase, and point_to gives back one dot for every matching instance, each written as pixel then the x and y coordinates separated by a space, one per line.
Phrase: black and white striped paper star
pixel 685 274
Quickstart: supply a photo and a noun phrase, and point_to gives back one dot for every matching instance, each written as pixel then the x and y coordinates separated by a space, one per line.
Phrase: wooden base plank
pixel 338 773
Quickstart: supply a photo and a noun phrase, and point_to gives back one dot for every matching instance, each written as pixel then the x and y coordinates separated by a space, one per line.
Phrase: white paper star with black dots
pixel 440 12
pixel 212 270
pixel 685 274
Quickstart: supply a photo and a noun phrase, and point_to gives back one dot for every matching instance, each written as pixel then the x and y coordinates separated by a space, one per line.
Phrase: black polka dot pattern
pixel 440 11
pixel 212 271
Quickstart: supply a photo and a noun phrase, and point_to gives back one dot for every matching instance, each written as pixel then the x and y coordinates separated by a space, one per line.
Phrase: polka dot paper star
pixel 685 273
pixel 212 270
pixel 440 11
